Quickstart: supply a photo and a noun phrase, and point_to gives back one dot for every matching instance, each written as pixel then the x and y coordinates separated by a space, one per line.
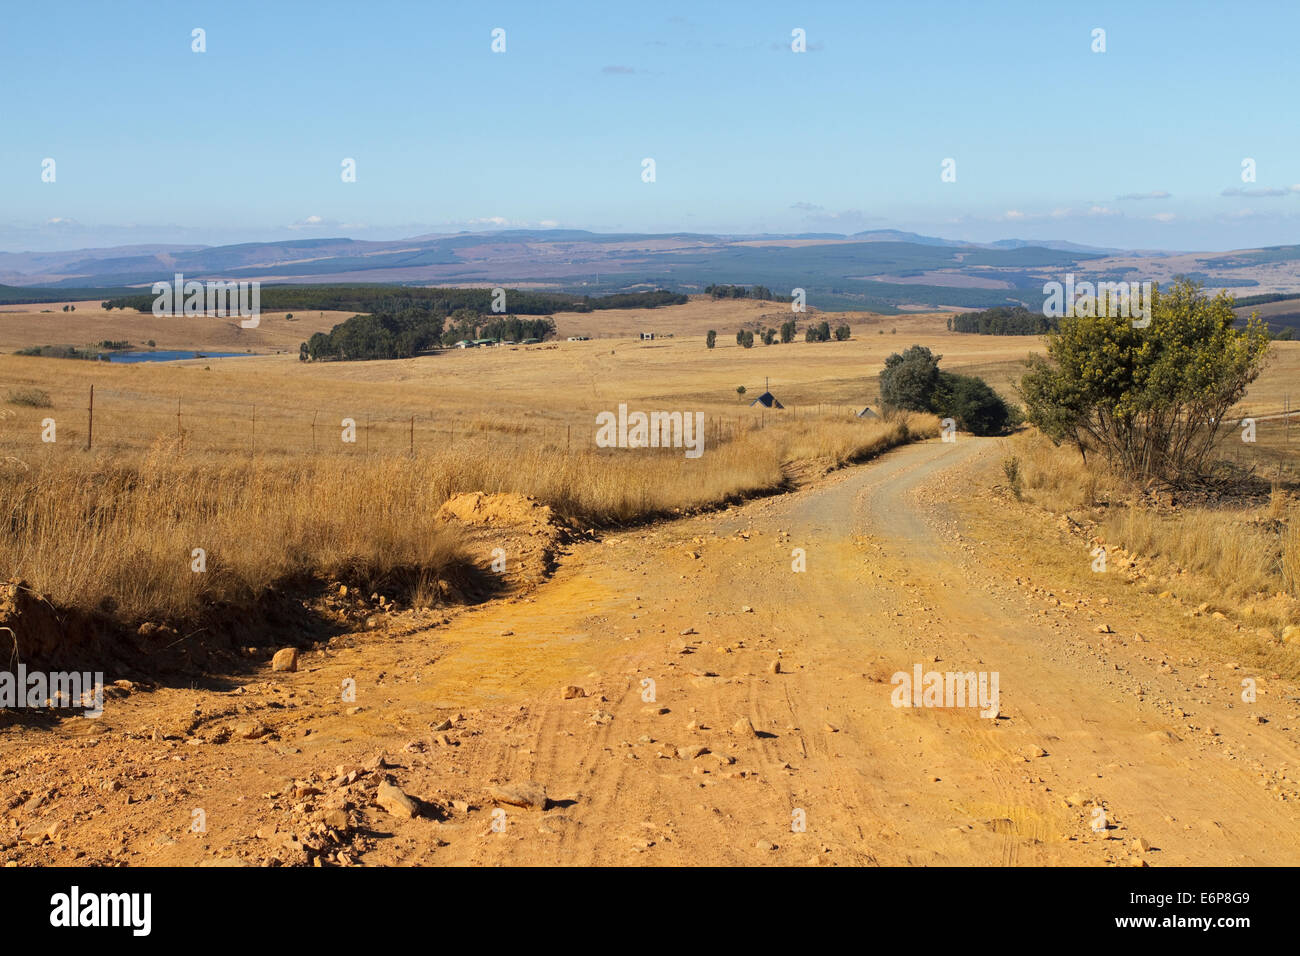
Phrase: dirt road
pixel 1106 749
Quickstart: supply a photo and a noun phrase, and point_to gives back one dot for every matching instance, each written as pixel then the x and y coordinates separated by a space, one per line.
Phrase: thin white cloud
pixel 1256 192
pixel 311 222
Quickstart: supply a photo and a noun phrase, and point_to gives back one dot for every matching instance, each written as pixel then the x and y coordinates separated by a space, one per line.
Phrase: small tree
pixel 976 407
pixel 842 333
pixel 910 379
pixel 787 331
pixel 1151 399
pixel 711 339
pixel 747 339
pixel 740 392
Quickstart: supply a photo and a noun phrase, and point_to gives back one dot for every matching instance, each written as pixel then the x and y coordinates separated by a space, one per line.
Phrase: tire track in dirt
pixel 704 606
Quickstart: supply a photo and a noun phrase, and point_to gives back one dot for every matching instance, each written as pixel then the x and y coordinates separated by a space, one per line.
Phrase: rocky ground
pixel 713 690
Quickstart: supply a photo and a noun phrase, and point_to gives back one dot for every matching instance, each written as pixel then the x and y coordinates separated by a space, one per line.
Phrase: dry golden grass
pixel 1238 558
pixel 255 466
pixel 118 531
pixel 22 326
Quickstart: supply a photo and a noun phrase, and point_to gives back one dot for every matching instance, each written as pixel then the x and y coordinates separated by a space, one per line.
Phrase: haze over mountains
pixel 883 270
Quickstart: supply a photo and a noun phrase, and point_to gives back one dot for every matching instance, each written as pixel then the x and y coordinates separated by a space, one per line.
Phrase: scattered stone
pixel 776 667
pixel 745 727
pixel 395 802
pixel 380 761
pixel 249 729
pixel 285 659
pixel 527 794
pixel 571 692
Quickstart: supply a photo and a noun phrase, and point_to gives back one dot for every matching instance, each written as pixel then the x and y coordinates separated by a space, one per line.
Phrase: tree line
pixel 1003 320
pixel 761 292
pixel 819 332
pixel 394 300
pixel 406 333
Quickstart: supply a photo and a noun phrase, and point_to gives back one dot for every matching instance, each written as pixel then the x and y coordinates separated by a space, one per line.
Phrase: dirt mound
pixel 519 536
pixel 500 510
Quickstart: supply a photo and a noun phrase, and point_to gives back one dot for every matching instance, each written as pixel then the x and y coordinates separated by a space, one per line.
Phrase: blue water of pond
pixel 168 355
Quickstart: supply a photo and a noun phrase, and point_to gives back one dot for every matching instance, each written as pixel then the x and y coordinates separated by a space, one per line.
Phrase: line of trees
pixel 466 324
pixel 1003 320
pixel 819 332
pixel 406 333
pixel 761 292
pixel 393 300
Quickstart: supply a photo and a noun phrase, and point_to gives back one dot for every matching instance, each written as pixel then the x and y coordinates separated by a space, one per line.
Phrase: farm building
pixel 867 413
pixel 767 400
pixel 647 336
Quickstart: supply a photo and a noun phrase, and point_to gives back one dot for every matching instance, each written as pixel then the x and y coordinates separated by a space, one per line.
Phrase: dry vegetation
pixel 243 457
pixel 1241 556
pixel 118 531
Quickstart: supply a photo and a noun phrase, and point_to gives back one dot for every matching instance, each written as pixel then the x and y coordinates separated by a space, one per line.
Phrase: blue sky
pixel 155 143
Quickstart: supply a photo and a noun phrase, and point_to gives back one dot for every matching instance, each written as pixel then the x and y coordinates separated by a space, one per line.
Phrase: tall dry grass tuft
pixel 123 536
pixel 1058 477
pixel 1242 559
pixel 846 441
pixel 1231 555
pixel 1291 555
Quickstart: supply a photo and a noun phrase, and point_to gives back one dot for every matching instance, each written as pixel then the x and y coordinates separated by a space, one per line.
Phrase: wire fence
pixel 96 418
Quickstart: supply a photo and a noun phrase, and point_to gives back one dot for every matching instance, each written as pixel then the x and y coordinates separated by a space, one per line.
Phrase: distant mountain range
pixel 881 270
